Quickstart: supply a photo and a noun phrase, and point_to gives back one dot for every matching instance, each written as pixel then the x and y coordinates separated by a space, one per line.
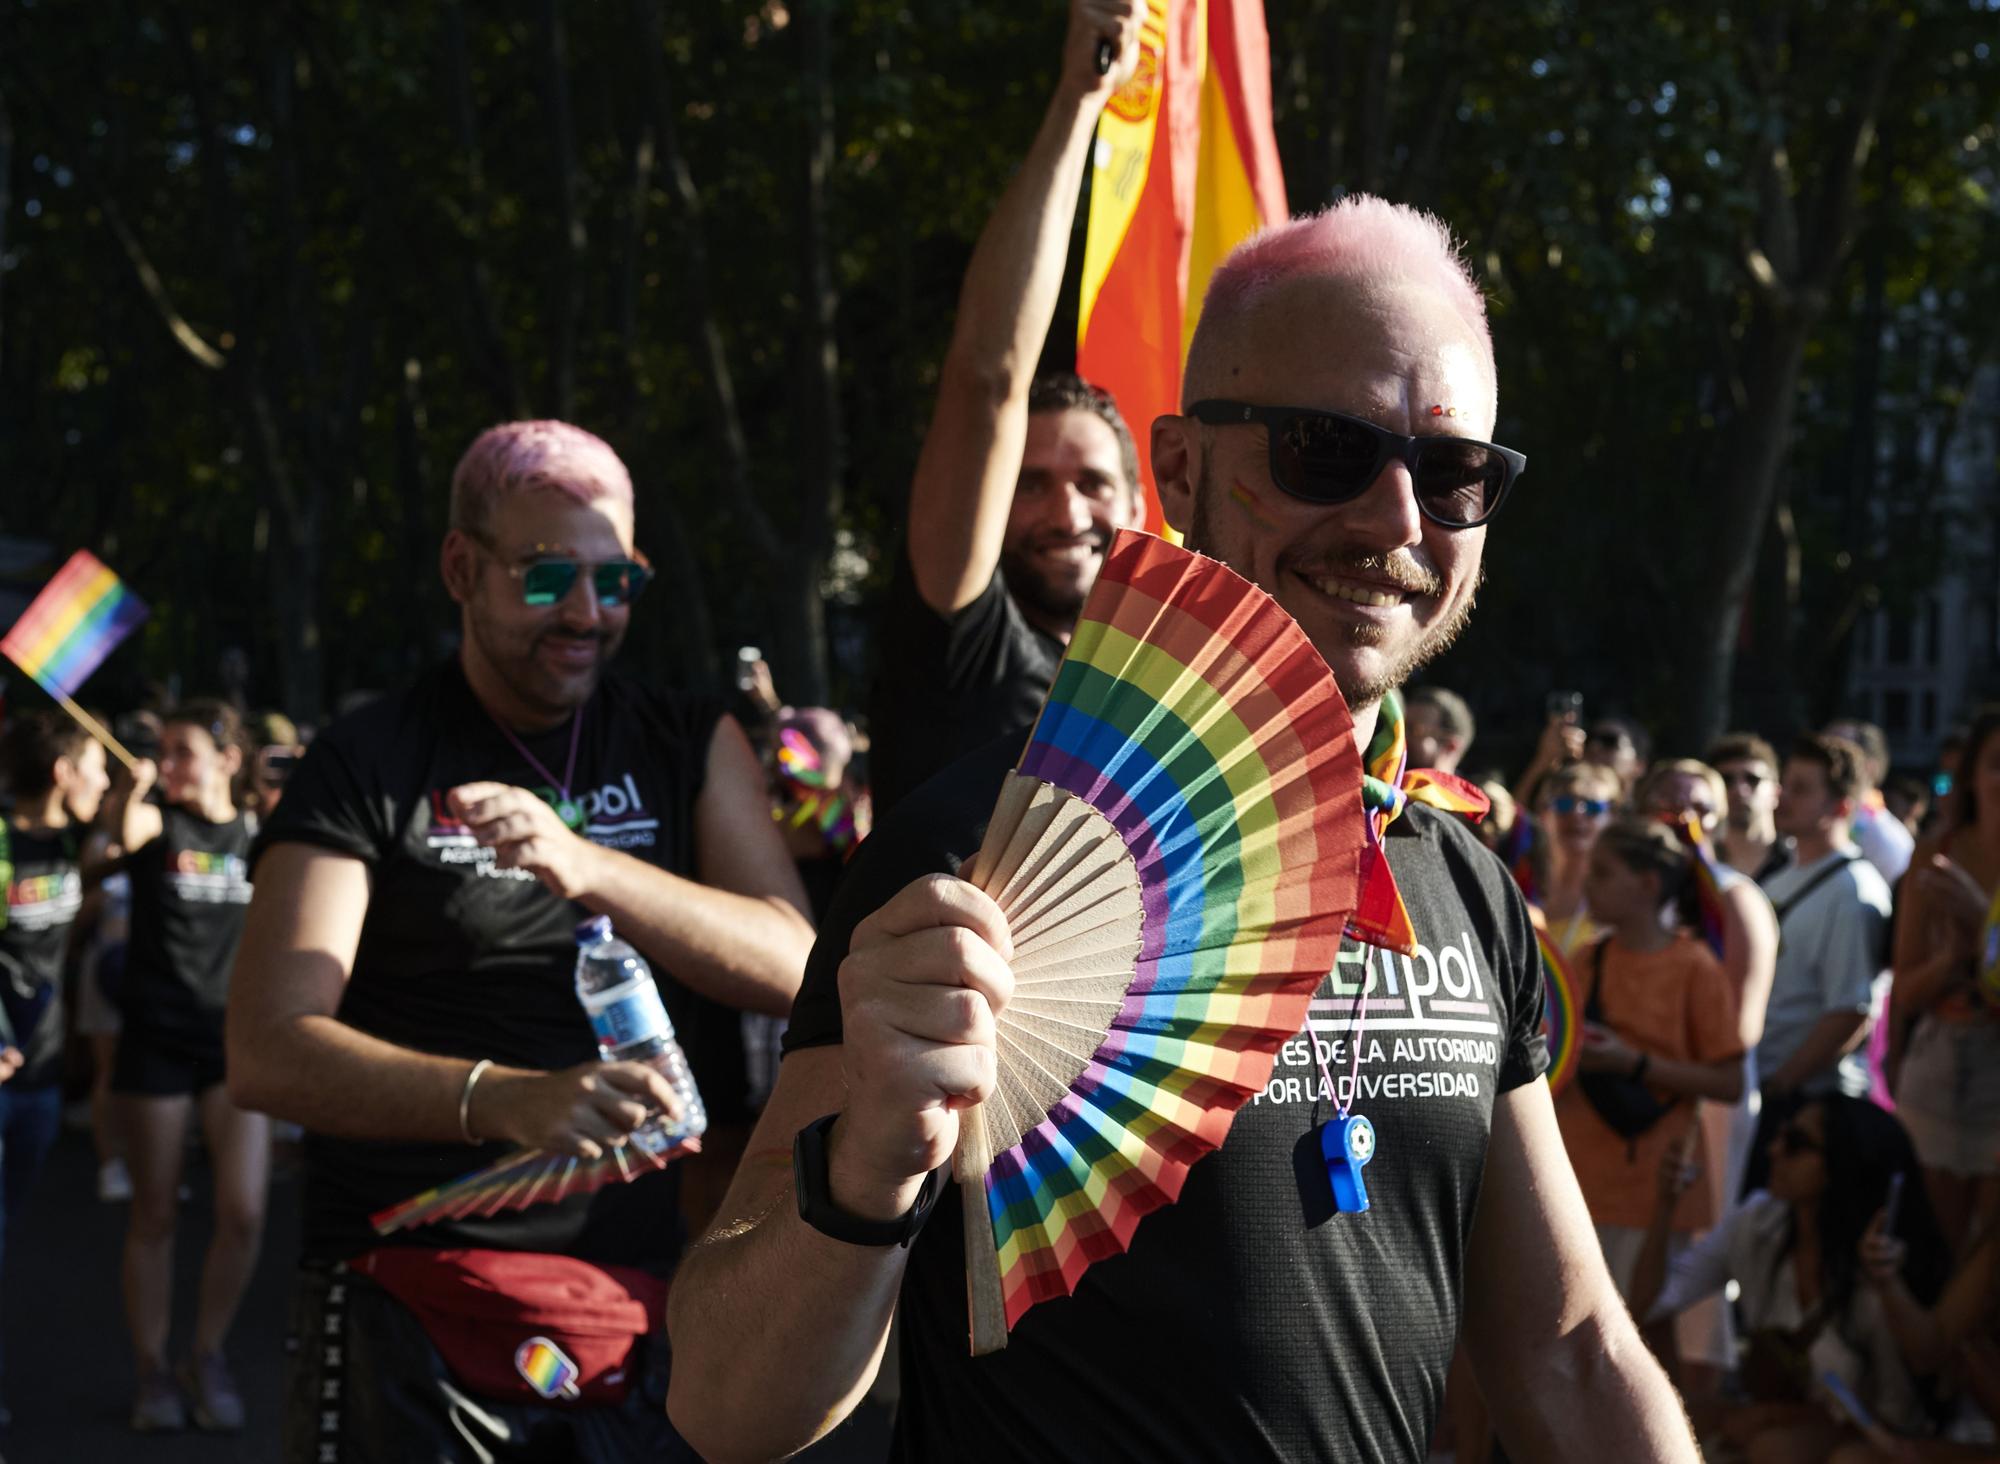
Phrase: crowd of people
pixel 1762 1218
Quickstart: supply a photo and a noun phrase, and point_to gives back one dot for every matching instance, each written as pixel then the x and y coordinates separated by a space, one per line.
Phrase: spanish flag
pixel 1186 167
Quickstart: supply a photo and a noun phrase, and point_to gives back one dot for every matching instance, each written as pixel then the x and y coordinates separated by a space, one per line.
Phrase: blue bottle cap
pixel 590 932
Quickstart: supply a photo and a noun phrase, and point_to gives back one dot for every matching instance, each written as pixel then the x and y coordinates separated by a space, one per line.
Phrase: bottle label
pixel 637 1015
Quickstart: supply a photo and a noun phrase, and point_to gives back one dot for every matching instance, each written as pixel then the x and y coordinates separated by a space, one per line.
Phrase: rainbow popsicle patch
pixel 547 1368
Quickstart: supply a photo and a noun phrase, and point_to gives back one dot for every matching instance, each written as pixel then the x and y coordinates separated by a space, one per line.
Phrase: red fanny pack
pixel 521 1326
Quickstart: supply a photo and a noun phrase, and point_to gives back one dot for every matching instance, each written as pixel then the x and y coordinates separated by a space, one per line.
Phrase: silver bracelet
pixel 465 1098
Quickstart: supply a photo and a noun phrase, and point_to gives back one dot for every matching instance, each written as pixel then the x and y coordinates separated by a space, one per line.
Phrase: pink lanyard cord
pixel 569 769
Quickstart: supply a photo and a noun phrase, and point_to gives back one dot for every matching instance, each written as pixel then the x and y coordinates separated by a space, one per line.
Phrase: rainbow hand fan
pixel 532 1177
pixel 1177 854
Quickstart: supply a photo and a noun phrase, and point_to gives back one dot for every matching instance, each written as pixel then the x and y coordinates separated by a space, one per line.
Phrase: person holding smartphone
pixel 1795 1252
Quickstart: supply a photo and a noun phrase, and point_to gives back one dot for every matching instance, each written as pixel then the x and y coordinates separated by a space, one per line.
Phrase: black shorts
pixel 153 1065
pixel 366 1386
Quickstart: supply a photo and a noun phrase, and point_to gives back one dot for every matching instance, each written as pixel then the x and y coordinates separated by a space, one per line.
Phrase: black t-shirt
pixel 1249 1320
pixel 945 686
pixel 190 889
pixel 461 958
pixel 44 893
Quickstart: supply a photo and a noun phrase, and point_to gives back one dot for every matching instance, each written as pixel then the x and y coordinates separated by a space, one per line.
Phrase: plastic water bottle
pixel 615 985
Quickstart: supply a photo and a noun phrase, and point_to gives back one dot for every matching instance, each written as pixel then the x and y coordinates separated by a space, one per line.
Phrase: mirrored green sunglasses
pixel 547 578
pixel 548 581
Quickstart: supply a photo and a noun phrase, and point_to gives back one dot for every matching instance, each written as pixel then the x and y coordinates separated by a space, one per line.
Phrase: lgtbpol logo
pixel 612 814
pixel 1387 1026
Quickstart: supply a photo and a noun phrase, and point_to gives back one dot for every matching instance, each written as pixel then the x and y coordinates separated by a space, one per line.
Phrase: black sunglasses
pixel 1330 457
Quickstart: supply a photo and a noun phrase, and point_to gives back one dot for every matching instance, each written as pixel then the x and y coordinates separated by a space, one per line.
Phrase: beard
pixel 1425 646
pixel 514 657
pixel 1050 597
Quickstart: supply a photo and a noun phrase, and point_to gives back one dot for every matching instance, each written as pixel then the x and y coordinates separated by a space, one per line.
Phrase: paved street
pixel 69 1369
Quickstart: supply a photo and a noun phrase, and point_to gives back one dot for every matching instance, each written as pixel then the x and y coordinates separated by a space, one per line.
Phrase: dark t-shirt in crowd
pixel 44 893
pixel 461 958
pixel 190 889
pixel 945 686
pixel 1250 1320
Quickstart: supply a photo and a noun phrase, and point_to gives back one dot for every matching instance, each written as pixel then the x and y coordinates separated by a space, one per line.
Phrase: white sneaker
pixel 114 1181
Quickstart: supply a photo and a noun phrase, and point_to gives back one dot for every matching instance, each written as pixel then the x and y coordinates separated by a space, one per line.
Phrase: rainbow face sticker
pixel 546 1368
pixel 1252 508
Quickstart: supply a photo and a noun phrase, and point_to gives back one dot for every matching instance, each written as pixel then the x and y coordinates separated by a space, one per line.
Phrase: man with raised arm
pixel 405 989
pixel 1023 479
pixel 1339 391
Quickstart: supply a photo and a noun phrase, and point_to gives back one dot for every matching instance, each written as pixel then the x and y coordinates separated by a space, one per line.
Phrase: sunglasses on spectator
pixel 1796 1141
pixel 548 578
pixel 1330 457
pixel 1570 803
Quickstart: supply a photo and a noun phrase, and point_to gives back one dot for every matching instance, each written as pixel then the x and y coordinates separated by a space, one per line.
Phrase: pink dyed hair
pixel 517 456
pixel 1360 237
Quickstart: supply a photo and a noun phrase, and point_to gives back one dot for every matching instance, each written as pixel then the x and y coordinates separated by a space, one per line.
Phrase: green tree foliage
pixel 269 268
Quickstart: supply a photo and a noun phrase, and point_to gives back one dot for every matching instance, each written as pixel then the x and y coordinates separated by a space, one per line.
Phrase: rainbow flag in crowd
pixel 74 623
pixel 1186 167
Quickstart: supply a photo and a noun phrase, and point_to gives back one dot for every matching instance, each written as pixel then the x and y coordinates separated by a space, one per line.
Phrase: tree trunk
pixel 800 667
pixel 567 292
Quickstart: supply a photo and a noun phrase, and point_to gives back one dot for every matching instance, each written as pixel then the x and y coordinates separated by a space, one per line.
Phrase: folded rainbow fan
pixel 1177 854
pixel 532 1177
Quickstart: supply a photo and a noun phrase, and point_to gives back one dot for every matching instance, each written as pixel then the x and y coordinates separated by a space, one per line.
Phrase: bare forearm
pixel 1012 284
pixel 1597 1393
pixel 1649 1271
pixel 744 951
pixel 970 463
pixel 777 1330
pixel 336 1080
pixel 1918 988
pixel 1831 1037
pixel 1721 1081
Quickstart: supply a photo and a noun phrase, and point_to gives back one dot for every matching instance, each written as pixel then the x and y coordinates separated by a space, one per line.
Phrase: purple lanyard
pixel 569 769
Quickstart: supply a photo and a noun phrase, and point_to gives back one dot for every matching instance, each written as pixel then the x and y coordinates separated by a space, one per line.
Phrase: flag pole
pixel 95 728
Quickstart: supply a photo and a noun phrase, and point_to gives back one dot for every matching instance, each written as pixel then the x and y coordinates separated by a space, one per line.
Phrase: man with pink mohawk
pixel 404 988
pixel 1339 391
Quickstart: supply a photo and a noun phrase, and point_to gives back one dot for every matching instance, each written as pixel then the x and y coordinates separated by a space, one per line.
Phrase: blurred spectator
pixel 1620 744
pixel 1909 801
pixel 1749 839
pixel 1576 804
pixel 1793 1251
pixel 1958 1337
pixel 1948 1082
pixel 190 887
pixel 55 772
pixel 101 966
pixel 279 748
pixel 1560 744
pixel 1688 790
pixel 1439 726
pixel 1660 1032
pixel 1833 914
pixel 1877 833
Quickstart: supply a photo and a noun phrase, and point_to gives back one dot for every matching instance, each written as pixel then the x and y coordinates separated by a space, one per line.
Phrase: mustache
pixel 601 638
pixel 1098 538
pixel 1400 569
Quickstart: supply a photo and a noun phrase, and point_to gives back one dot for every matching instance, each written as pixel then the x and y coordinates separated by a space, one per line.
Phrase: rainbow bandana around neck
pixel 1388 787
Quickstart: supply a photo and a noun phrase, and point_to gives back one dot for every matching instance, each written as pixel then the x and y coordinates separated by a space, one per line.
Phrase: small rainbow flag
pixel 74 623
